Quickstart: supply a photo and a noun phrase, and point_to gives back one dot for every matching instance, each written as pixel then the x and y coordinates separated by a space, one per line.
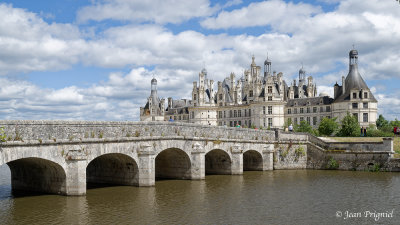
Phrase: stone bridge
pixel 63 157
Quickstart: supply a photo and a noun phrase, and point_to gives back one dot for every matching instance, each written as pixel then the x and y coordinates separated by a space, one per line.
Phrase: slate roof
pixel 326 100
pixel 353 81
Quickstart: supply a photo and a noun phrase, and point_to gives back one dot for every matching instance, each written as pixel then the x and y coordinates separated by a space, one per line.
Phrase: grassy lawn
pixel 396 142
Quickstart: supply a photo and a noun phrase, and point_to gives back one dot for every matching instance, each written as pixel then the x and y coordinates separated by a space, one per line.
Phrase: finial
pixel 302 65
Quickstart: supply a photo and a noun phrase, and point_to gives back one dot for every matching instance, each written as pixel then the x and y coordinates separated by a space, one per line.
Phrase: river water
pixel 270 197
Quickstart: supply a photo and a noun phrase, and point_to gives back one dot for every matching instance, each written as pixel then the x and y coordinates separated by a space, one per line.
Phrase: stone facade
pixel 267 101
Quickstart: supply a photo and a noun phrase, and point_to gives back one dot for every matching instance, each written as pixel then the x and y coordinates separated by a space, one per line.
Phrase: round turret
pixel 353 53
pixel 267 62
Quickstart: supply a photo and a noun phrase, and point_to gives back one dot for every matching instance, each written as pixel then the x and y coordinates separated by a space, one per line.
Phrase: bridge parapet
pixel 17 130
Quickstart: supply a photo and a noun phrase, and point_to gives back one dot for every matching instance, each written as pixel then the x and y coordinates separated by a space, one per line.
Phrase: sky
pixel 94 59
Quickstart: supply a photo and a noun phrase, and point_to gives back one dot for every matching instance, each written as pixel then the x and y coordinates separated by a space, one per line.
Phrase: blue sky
pixel 94 59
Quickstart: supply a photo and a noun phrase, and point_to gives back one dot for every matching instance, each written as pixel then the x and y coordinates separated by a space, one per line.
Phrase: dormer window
pixel 354 95
pixel 270 89
pixel 365 94
pixel 251 94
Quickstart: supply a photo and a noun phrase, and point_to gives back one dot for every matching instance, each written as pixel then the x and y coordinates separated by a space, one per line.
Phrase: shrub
pixel 327 126
pixel 300 151
pixel 373 132
pixel 303 127
pixel 3 136
pixel 350 126
pixel 332 164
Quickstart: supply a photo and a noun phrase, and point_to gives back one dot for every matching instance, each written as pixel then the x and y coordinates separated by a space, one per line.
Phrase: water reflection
pixel 277 197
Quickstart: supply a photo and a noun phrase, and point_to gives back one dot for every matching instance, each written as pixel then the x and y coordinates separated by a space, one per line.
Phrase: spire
pixel 253 63
pixel 302 73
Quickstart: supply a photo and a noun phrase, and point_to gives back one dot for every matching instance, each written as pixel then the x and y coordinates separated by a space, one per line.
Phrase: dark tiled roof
pixel 353 81
pixel 326 100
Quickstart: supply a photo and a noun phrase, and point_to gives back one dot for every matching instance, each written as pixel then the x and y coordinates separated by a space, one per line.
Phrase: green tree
pixel 303 127
pixel 350 126
pixel 395 123
pixel 328 126
pixel 381 122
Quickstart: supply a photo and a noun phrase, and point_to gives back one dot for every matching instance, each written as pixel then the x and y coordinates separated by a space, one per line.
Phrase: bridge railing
pixel 19 130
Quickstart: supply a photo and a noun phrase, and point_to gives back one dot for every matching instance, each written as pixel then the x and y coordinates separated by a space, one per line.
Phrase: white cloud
pixel 261 14
pixel 27 43
pixel 300 33
pixel 157 11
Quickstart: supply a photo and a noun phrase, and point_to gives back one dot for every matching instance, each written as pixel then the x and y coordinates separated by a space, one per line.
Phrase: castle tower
pixel 354 95
pixel 267 68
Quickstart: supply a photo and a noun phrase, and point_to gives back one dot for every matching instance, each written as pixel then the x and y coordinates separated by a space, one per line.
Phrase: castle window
pixel 239 113
pixel 269 98
pixel 264 122
pixel 328 108
pixel 301 110
pixel 295 120
pixel 356 116
pixel 220 114
pixel 234 113
pixel 321 109
pixel 231 123
pixel 224 114
pixel 289 111
pixel 263 109
pixel 295 110
pixel 314 121
pixel 354 95
pixel 365 94
pixel 270 89
pixel 308 120
pixel 194 104
pixel 308 108
pixel 314 109
pixel 269 110
pixel 230 113
pixel 355 105
pixel 270 122
pixel 301 119
pixel 251 93
pixel 194 97
pixel 365 105
pixel 365 117
pixel 220 96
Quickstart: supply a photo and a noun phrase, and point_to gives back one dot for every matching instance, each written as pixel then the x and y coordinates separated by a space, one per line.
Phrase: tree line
pixel 349 127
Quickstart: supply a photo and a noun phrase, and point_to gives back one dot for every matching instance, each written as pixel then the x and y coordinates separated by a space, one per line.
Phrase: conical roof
pixel 353 81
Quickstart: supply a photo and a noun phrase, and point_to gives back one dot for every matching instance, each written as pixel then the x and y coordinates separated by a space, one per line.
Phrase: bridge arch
pixel 252 160
pixel 172 163
pixel 112 169
pixel 218 161
pixel 40 175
